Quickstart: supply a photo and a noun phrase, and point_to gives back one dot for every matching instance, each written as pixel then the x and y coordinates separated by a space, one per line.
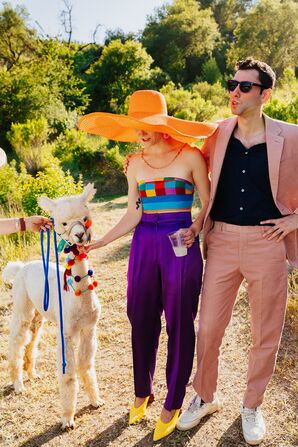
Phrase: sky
pixel 129 15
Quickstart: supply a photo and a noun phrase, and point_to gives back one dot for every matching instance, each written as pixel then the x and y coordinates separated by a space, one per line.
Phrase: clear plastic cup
pixel 176 239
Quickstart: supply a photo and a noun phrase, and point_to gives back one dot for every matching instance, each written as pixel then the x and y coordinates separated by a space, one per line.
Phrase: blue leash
pixel 46 299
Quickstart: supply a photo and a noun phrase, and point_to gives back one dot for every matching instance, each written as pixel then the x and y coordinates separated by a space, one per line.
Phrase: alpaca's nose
pixel 80 235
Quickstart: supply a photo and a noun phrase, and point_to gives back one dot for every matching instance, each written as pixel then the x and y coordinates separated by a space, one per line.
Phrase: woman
pixel 13 225
pixel 161 182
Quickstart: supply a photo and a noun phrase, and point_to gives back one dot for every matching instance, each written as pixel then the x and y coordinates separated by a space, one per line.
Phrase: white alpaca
pixel 80 313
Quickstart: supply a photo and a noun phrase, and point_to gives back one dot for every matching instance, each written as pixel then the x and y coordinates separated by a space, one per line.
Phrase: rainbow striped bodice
pixel 165 195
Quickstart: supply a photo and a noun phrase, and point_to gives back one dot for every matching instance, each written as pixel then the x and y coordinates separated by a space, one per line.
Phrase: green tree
pixel 121 69
pixel 269 32
pixel 17 41
pixel 179 36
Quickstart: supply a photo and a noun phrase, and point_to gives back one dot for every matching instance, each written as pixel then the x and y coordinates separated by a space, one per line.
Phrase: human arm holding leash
pixel 33 223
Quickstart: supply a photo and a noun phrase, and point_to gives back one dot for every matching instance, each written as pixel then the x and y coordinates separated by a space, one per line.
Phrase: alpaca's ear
pixel 46 204
pixel 88 193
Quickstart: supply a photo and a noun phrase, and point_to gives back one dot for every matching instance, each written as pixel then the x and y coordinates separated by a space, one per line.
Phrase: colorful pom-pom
pixel 90 287
pixel 88 223
pixel 95 283
pixel 69 281
pixel 67 250
pixel 71 262
pixel 77 278
pixel 90 272
pixel 78 292
pixel 68 267
pixel 68 272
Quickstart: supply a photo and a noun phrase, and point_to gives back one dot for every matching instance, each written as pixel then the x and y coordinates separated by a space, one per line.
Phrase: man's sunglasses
pixel 245 86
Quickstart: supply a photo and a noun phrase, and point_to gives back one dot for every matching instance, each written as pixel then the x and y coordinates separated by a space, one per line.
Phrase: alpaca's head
pixel 71 214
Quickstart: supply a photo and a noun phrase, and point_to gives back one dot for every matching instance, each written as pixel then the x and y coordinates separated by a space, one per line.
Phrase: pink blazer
pixel 282 148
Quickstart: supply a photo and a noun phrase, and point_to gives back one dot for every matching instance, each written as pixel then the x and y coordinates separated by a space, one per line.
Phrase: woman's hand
pixel 92 246
pixel 189 236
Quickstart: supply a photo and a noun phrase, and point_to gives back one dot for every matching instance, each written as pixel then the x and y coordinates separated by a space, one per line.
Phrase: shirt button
pixel 242 190
pixel 246 153
pixel 243 171
pixel 241 208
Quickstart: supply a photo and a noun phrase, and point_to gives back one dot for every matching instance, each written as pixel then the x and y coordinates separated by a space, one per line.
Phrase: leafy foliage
pixel 121 69
pixel 19 190
pixel 276 41
pixel 178 36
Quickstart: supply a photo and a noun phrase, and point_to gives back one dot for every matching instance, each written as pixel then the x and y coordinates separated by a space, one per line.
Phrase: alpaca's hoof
pixel 33 375
pixel 97 403
pixel 18 386
pixel 68 423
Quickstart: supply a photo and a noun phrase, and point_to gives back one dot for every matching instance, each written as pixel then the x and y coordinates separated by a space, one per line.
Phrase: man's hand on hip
pixel 282 227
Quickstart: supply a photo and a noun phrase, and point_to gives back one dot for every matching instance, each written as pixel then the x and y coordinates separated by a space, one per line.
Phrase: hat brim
pixel 123 127
pixel 3 159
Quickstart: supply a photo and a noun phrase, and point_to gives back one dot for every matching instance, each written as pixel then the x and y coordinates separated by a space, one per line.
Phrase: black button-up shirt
pixel 244 195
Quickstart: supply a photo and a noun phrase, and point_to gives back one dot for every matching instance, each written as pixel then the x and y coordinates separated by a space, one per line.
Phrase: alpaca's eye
pixel 64 224
pixel 85 219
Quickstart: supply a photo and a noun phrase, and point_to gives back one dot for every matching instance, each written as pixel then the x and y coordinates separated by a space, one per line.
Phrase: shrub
pixel 29 140
pixel 19 190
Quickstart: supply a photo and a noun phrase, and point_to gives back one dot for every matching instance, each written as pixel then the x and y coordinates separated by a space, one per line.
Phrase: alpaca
pixel 81 311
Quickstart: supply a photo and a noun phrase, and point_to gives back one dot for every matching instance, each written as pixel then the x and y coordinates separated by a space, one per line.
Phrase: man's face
pixel 244 104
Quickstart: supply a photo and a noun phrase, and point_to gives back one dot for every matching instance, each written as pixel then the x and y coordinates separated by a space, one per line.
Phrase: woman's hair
pixel 266 74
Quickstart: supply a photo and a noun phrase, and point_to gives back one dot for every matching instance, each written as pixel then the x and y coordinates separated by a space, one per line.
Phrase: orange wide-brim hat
pixel 147 111
pixel 3 159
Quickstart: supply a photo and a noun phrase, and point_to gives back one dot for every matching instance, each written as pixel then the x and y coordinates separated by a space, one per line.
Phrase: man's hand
pixel 282 227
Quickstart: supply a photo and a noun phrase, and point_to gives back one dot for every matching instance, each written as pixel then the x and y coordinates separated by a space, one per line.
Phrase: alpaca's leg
pixel 19 337
pixel 86 368
pixel 31 348
pixel 68 382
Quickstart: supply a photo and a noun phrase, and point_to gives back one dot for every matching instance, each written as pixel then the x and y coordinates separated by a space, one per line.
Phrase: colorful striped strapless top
pixel 166 195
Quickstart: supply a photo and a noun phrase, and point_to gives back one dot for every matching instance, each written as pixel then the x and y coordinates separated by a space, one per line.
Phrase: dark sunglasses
pixel 245 86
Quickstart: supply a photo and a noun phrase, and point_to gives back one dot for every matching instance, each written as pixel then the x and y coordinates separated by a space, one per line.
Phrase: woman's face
pixel 148 139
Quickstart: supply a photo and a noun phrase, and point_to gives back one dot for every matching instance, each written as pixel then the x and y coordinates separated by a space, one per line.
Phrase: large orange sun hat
pixel 147 111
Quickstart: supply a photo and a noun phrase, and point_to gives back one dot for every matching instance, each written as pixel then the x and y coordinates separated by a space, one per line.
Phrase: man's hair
pixel 266 74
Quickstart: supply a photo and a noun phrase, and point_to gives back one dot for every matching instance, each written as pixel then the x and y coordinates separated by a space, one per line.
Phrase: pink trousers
pixel 234 253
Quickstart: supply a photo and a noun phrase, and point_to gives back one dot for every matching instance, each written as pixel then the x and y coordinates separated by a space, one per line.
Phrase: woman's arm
pixel 202 183
pixel 130 219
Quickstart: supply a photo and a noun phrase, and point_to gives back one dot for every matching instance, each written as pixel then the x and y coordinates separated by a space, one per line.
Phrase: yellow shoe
pixel 163 429
pixel 135 414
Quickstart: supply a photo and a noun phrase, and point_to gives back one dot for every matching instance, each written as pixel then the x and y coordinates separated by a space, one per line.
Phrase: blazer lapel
pixel 222 140
pixel 274 150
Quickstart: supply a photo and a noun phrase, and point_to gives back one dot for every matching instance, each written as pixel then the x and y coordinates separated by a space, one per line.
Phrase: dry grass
pixel 33 419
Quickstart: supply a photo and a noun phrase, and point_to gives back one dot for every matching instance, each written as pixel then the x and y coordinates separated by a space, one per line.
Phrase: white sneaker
pixel 253 425
pixel 195 412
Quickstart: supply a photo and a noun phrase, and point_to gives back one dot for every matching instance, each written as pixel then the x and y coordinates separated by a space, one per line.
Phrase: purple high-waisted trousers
pixel 159 281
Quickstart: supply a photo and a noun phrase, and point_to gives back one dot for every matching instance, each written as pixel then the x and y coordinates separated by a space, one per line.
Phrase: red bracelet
pixel 22 224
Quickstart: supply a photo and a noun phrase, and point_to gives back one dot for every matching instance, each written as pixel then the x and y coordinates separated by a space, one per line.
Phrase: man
pixel 250 229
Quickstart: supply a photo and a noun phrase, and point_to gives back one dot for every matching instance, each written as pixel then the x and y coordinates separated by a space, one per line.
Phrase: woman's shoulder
pixel 131 161
pixel 192 153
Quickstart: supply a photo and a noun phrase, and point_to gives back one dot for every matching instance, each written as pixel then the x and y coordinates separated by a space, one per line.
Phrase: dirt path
pixel 33 419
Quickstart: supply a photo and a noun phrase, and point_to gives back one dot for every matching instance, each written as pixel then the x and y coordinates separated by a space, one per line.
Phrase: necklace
pixel 161 167
pixel 69 278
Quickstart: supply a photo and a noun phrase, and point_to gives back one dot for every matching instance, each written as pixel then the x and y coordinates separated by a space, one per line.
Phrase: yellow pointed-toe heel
pixel 163 429
pixel 135 414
